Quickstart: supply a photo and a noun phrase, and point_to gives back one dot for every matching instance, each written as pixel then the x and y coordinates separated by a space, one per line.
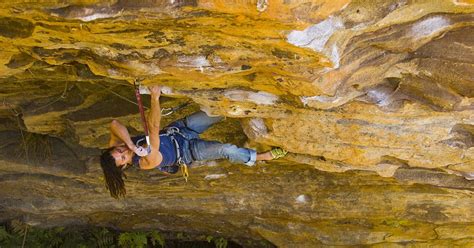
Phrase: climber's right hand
pixel 141 151
pixel 155 90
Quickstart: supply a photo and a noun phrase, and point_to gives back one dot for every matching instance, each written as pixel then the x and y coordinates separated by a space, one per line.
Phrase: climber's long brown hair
pixel 113 174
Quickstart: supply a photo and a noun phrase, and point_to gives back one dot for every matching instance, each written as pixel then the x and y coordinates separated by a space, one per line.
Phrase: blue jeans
pixel 196 149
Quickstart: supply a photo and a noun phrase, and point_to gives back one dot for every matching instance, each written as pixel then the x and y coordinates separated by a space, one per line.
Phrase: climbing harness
pixel 170 132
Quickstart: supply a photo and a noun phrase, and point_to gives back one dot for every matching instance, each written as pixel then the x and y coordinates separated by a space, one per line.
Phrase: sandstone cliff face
pixel 379 90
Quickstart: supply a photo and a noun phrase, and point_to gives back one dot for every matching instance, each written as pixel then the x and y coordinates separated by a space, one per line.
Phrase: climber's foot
pixel 278 152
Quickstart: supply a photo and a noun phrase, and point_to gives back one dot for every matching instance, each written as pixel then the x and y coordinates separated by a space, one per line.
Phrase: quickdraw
pixel 174 109
pixel 164 111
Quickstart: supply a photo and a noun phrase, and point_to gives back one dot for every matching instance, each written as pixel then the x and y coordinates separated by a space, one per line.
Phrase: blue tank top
pixel 167 150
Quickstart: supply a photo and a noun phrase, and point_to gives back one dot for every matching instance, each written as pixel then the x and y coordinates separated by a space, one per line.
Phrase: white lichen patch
pixel 258 126
pixel 334 56
pixel 235 110
pixel 91 14
pixel 198 62
pixel 323 99
pixel 144 90
pixel 95 17
pixel 302 199
pixel 462 2
pixel 214 176
pixel 142 68
pixel 306 99
pixel 262 5
pixel 211 163
pixel 209 111
pixel 102 51
pixel 260 97
pixel 114 73
pixel 167 90
pixel 430 26
pixel 317 36
pixel 469 175
pixel 381 98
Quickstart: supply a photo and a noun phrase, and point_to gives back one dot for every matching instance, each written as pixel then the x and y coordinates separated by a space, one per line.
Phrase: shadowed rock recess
pixel 374 99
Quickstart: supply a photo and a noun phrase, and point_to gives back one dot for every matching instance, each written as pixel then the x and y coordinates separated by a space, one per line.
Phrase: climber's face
pixel 122 155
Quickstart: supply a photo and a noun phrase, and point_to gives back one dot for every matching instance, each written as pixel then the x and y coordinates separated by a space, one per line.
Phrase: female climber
pixel 175 146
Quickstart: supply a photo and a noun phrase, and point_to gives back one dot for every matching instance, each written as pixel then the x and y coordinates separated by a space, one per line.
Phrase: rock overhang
pixel 378 86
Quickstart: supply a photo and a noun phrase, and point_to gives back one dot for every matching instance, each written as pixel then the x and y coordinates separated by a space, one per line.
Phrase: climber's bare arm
pixel 119 135
pixel 155 157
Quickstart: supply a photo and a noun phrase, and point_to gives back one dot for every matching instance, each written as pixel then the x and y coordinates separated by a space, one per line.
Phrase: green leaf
pixel 180 236
pixel 140 240
pixel 125 239
pixel 133 240
pixel 220 243
pixel 156 237
pixel 4 234
pixel 18 227
pixel 104 238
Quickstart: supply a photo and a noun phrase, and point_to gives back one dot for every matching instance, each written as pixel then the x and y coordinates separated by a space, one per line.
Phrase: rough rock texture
pixel 380 90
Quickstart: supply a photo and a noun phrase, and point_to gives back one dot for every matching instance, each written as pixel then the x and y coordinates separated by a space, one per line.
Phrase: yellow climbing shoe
pixel 278 152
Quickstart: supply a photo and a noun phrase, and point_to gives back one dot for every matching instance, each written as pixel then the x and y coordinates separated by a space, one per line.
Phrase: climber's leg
pixel 210 150
pixel 197 122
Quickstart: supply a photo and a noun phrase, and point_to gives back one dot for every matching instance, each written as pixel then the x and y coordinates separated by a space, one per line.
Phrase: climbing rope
pixel 18 115
pixel 62 96
pixel 142 112
pixel 118 95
